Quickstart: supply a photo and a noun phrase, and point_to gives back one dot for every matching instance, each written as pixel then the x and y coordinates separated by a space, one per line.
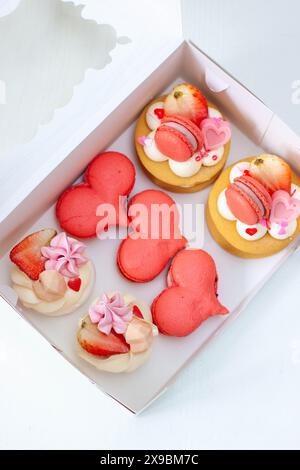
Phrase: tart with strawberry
pixel 51 273
pixel 182 140
pixel 117 333
pixel 254 207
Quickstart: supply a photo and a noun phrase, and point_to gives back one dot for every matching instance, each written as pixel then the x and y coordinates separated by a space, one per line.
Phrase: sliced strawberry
pixel 27 254
pixel 273 172
pixel 186 100
pixel 136 311
pixel 100 344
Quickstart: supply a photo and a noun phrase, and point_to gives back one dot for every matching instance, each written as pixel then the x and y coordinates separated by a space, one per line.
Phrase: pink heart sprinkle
pixel 203 152
pixel 263 223
pixel 282 231
pixel 141 139
pixel 159 112
pixel 144 140
pixel 251 231
pixel 148 141
pixel 215 157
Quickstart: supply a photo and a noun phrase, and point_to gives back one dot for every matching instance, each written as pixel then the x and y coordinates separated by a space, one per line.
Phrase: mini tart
pixel 160 172
pixel 117 363
pixel 70 302
pixel 224 231
pixel 46 289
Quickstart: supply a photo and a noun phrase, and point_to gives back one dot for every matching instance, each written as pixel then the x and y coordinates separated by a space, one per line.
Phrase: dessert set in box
pixel 254 131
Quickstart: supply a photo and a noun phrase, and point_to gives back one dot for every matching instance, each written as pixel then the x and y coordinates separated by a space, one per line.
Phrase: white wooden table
pixel 243 391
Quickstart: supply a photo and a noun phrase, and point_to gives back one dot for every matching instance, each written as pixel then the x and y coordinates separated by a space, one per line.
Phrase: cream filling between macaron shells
pixel 183 169
pixel 127 362
pixel 71 300
pixel 257 231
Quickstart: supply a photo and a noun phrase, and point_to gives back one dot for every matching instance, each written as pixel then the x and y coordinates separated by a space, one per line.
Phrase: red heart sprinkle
pixel 215 157
pixel 75 284
pixel 246 173
pixel 159 112
pixel 136 311
pixel 251 231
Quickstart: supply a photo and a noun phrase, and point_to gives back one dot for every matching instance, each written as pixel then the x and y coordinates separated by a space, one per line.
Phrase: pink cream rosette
pixel 111 313
pixel 64 255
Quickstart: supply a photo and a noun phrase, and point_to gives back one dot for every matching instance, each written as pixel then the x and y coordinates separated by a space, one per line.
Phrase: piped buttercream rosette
pixel 117 333
pixel 53 279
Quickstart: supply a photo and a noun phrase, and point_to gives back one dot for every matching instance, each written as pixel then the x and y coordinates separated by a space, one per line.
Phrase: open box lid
pixel 39 69
pixel 48 105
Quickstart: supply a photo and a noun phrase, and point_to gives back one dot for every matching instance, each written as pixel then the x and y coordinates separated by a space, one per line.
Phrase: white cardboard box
pixel 109 124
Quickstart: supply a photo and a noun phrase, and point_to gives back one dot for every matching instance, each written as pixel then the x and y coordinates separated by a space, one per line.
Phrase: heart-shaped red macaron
pixel 190 297
pixel 155 236
pixel 87 209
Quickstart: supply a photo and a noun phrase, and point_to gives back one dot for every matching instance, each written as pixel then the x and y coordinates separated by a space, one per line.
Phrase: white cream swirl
pixel 223 207
pixel 71 300
pixel 251 232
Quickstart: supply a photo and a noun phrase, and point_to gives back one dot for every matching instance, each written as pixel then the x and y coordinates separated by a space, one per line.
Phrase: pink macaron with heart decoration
pixel 248 200
pixel 178 138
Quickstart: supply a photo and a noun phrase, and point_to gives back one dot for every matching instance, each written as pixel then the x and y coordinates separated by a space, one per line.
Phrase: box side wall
pixel 246 110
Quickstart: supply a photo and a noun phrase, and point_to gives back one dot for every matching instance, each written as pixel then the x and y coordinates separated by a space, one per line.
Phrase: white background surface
pixel 243 391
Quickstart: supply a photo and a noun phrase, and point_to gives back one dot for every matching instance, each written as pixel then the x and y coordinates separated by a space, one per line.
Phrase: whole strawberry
pixel 188 101
pixel 273 172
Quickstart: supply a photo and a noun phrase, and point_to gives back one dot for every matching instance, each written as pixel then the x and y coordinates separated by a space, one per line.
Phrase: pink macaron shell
pixel 166 307
pixel 259 190
pixel 173 143
pixel 242 206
